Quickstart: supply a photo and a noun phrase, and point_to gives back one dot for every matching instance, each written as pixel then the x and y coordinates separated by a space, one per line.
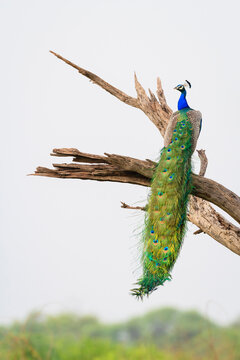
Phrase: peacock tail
pixel 167 207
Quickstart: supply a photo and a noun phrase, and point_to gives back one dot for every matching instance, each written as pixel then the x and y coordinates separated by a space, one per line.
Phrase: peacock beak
pixel 175 88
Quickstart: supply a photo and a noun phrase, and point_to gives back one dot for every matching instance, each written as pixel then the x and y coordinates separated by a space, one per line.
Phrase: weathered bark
pixel 119 168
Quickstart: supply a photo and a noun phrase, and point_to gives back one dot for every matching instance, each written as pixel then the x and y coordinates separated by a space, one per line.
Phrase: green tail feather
pixel 167 209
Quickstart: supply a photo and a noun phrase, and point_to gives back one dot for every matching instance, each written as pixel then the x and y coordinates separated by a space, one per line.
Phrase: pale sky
pixel 66 245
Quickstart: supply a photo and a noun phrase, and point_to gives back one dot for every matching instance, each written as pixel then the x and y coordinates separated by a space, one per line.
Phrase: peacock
pixel 166 211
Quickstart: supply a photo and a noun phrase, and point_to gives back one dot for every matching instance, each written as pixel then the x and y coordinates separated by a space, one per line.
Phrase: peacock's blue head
pixel 182 102
pixel 182 88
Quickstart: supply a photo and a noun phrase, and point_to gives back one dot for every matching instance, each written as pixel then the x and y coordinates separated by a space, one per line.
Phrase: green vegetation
pixel 165 334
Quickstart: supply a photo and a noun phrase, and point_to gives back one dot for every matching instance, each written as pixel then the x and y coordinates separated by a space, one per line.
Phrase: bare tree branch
pixel 204 162
pixel 103 84
pixel 197 232
pixel 126 206
pixel 202 214
pixel 152 108
pixel 118 168
pixel 126 169
pixel 158 112
pixel 162 99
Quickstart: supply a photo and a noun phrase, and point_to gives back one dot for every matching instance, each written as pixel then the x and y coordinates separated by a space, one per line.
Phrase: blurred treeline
pixel 165 334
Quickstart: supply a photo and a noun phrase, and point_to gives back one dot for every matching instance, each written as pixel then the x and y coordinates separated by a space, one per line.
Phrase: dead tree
pixel 112 167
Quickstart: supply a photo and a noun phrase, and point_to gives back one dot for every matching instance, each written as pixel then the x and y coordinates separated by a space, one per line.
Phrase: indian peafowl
pixel 167 206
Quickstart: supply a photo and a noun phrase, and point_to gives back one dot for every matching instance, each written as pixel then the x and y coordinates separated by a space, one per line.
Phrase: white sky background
pixel 66 245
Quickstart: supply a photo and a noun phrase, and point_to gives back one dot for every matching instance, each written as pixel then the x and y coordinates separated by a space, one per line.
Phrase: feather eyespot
pixel 166 249
pixel 169 150
pixel 164 170
pixel 175 130
pixel 176 139
pixel 182 147
pixel 160 194
pixel 155 241
pixel 165 259
pixel 168 158
pixel 157 264
pixel 171 177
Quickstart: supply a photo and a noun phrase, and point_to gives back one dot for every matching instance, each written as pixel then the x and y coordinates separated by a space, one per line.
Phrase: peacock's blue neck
pixel 182 102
